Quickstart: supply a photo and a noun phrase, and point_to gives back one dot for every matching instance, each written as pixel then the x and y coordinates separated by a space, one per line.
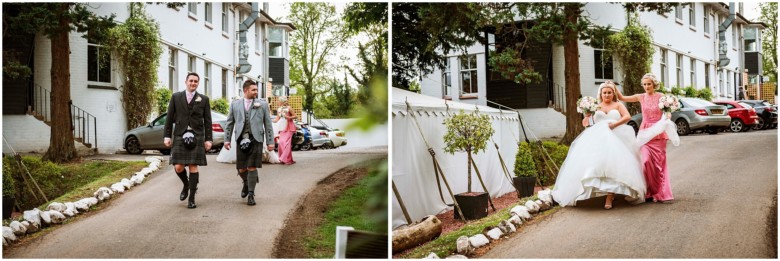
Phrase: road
pixel 723 185
pixel 149 221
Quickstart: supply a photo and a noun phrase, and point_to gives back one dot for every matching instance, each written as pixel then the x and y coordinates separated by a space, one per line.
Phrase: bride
pixel 603 159
pixel 229 156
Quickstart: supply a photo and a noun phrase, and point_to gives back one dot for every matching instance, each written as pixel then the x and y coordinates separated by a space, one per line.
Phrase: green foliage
pixel 9 185
pixel 468 132
pixel 769 42
pixel 677 91
pixel 511 66
pixel 691 91
pixel 705 94
pixel 369 19
pixel 339 103
pixel 12 69
pixel 558 154
pixel 162 97
pixel 220 105
pixel 137 48
pixel 626 46
pixel 524 161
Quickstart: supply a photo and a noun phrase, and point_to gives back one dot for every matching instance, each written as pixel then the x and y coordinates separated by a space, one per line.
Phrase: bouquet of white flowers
pixel 669 103
pixel 587 104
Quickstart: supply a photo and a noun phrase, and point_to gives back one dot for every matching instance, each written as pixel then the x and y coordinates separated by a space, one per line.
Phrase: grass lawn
pixel 86 178
pixel 347 210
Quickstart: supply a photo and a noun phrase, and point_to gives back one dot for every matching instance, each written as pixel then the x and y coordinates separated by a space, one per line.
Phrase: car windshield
pixel 766 104
pixel 745 105
pixel 698 103
pixel 216 116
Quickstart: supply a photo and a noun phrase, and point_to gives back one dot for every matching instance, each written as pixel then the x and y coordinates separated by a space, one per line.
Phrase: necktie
pixel 246 104
pixel 189 97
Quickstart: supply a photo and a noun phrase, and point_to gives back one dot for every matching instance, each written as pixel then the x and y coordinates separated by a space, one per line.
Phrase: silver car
pixel 694 114
pixel 150 137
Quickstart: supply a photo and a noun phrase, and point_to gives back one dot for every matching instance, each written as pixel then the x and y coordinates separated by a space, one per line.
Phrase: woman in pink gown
pixel 285 113
pixel 653 153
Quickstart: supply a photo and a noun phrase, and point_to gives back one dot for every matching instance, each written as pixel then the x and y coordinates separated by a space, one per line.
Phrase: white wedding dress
pixel 601 161
pixel 229 156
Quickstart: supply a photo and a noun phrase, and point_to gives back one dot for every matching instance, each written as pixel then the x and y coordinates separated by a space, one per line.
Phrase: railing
pixel 84 126
pixel 559 97
pixel 40 104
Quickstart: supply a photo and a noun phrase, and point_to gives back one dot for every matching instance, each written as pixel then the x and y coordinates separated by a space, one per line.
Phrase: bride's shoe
pixel 608 204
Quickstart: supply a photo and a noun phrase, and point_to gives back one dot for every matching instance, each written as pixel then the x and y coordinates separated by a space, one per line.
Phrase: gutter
pixel 243 54
pixel 723 59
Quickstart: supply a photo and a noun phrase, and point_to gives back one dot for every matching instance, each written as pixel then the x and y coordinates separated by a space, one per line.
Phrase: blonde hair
pixel 611 85
pixel 652 78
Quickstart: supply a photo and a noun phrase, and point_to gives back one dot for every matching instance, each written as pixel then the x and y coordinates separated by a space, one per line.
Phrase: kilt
pixel 252 159
pixel 181 155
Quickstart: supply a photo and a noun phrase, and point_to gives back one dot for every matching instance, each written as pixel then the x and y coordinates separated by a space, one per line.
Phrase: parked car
pixel 337 137
pixel 743 116
pixel 306 144
pixel 767 114
pixel 150 137
pixel 297 139
pixel 694 114
pixel 319 139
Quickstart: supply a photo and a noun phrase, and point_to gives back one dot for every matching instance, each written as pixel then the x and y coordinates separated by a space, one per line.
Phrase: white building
pixel 197 37
pixel 687 53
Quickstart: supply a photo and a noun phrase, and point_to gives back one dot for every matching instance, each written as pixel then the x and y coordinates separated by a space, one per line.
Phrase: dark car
pixel 694 114
pixel 743 116
pixel 150 137
pixel 767 114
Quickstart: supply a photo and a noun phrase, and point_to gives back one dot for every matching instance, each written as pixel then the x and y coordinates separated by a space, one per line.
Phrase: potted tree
pixel 9 191
pixel 525 171
pixel 469 132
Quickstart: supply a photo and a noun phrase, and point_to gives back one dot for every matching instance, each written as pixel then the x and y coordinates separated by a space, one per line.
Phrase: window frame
pixel 692 15
pixel 706 20
pixel 678 14
pixel 446 79
pixel 473 75
pixel 281 43
pixel 224 83
pixel 225 23
pixel 98 83
pixel 693 72
pixel 707 75
pixel 664 67
pixel 173 62
pixel 207 78
pixel 208 13
pixel 598 63
pixel 679 63
pixel 192 63
pixel 192 10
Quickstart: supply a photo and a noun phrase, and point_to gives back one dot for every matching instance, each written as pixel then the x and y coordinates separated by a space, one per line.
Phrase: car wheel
pixel 760 124
pixel 133 146
pixel 682 127
pixel 306 146
pixel 633 125
pixel 736 125
pixel 165 152
pixel 327 145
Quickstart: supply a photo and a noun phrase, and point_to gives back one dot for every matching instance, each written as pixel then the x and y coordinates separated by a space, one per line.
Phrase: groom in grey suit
pixel 251 118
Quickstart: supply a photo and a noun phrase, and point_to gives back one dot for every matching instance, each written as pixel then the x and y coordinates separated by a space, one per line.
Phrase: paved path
pixel 149 221
pixel 724 187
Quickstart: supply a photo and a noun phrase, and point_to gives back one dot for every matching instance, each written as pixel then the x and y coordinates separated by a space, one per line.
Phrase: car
pixel 767 114
pixel 694 114
pixel 743 116
pixel 150 137
pixel 337 137
pixel 320 139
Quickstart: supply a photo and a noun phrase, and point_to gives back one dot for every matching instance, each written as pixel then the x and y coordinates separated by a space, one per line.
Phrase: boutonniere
pixel 198 99
pixel 256 104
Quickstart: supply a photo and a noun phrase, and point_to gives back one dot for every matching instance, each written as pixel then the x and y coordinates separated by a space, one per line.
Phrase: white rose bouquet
pixel 587 104
pixel 669 103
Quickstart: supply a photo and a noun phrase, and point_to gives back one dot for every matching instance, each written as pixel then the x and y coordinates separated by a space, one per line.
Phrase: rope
pixel 18 159
pixel 401 202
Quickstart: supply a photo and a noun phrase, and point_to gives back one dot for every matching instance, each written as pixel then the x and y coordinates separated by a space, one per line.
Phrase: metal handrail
pixel 84 125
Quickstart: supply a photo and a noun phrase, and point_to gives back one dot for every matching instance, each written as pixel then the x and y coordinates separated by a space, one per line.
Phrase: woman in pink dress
pixel 285 113
pixel 653 153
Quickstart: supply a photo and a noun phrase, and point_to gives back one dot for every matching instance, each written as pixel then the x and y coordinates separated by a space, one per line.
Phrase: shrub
pixel 9 189
pixel 467 132
pixel 705 94
pixel 47 174
pixel 524 161
pixel 557 152
pixel 162 98
pixel 690 91
pixel 677 91
pixel 220 105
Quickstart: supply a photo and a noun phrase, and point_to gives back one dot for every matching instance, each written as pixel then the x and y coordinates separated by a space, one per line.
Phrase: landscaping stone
pixel 545 196
pixel 543 206
pixel 139 179
pixel 532 207
pixel 56 206
pixel 463 246
pixel 81 206
pixel 505 227
pixel 90 201
pixel 478 240
pixel 457 257
pixel 494 233
pixel 151 159
pixel 102 193
pixel 516 220
pixel 46 217
pixel 126 182
pixel 118 187
pixel 17 228
pixel 33 216
pixel 56 217
pixel 31 227
pixel 521 211
pixel 432 255
pixel 8 234
pixel 5 243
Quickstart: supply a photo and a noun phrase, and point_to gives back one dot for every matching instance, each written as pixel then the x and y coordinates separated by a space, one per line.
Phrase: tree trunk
pixel 469 170
pixel 572 74
pixel 429 228
pixel 61 146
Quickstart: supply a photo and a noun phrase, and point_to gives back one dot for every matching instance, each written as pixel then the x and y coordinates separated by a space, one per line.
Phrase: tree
pixel 371 19
pixel 625 46
pixel 467 132
pixel 318 33
pixel 769 43
pixel 56 21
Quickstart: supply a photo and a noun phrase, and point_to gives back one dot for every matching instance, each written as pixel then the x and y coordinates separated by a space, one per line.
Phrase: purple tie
pixel 246 104
pixel 189 97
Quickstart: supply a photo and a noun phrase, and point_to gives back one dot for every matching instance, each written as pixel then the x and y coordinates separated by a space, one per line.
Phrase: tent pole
pixel 483 185
pixel 401 202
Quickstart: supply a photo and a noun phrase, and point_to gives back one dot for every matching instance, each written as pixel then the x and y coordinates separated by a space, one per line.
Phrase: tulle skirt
pixel 229 156
pixel 601 161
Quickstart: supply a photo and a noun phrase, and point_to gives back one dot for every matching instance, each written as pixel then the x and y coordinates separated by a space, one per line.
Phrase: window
pixel 224 17
pixel 728 83
pixel 172 82
pixel 707 75
pixel 224 83
pixel 446 79
pixel 192 8
pixel 720 83
pixel 678 12
pixel 257 38
pixel 275 40
pixel 706 19
pixel 207 78
pixel 99 64
pixel 468 74
pixel 191 64
pixel 208 12
pixel 692 14
pixel 734 35
pixel 663 67
pixel 602 65
pixel 680 70
pixel 693 72
pixel 750 40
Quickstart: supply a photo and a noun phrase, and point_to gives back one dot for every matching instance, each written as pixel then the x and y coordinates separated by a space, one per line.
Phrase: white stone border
pixel 466 245
pixel 57 213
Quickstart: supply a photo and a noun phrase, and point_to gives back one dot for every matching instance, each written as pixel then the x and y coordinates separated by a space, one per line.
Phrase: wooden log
pixel 426 230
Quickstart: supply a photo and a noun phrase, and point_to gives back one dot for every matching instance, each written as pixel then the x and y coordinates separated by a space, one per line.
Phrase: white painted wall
pixel 376 136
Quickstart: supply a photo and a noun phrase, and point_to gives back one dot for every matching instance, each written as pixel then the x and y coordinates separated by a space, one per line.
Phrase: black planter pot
pixel 525 185
pixel 474 205
pixel 8 206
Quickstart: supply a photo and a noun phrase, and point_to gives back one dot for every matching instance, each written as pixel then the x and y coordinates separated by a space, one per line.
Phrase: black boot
pixel 252 180
pixel 183 176
pixel 245 189
pixel 193 187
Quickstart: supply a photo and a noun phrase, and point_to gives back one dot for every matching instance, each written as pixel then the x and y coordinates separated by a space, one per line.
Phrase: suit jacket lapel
pixel 252 110
pixel 194 103
pixel 184 101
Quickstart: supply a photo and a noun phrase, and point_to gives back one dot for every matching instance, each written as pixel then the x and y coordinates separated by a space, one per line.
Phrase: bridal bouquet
pixel 669 103
pixel 587 104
